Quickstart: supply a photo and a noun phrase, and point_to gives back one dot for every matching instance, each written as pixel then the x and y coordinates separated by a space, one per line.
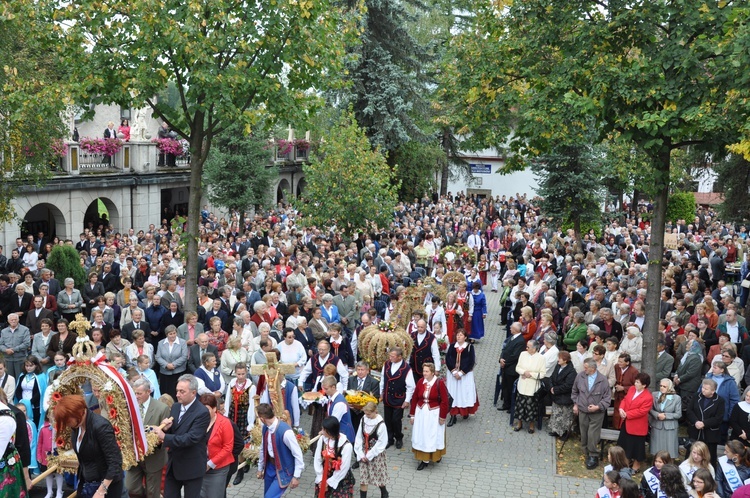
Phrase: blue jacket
pixel 346 426
pixel 727 391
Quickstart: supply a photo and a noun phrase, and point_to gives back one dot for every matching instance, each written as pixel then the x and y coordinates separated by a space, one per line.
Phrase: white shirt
pixel 346 459
pixel 307 371
pixel 410 384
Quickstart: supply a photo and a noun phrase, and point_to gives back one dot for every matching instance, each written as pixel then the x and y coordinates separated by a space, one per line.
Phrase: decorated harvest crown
pixel 116 399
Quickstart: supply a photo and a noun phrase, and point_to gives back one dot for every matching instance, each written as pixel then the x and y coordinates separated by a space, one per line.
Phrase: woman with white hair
pixel 363 284
pixel 69 300
pixel 632 344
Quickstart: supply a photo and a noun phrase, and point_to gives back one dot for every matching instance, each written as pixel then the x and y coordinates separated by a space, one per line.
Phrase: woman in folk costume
pixel 31 386
pixel 454 316
pixel 239 406
pixel 332 461
pixel 478 311
pixel 427 413
pixel 463 298
pixel 369 447
pixel 460 361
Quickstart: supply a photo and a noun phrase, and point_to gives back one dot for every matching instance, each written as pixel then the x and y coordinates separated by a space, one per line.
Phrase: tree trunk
pixel 447 166
pixel 197 159
pixel 655 258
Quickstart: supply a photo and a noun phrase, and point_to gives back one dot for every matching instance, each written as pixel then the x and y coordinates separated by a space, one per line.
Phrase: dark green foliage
pixel 570 186
pixel 386 89
pixel 417 165
pixel 238 173
pixel 681 206
pixel 734 182
pixel 66 262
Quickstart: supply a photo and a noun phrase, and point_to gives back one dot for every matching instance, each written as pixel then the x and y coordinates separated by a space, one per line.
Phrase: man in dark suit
pixel 197 350
pixel 21 302
pixel 508 360
pixel 37 314
pixel 363 381
pixel 153 412
pixel 108 279
pixel 53 286
pixel 137 323
pixel 186 438
pixel 664 362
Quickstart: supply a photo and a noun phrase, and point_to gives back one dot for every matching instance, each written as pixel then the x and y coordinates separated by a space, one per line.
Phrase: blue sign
pixel 481 169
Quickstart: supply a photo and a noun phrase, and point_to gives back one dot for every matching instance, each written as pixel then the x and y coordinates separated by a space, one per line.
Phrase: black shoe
pixel 504 408
pixel 553 434
pixel 517 428
pixel 422 466
pixel 390 443
pixel 400 444
pixel 452 421
pixel 465 417
pixel 355 465
pixel 592 463
pixel 238 478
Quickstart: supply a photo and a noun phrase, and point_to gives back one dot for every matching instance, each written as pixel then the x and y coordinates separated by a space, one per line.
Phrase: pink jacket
pixel 44 443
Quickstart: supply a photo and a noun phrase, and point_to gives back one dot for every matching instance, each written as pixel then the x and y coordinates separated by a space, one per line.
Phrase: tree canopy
pixel 349 184
pixel 230 61
pixel 655 73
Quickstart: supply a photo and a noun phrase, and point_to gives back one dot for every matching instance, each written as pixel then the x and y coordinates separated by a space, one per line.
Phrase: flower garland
pixel 106 146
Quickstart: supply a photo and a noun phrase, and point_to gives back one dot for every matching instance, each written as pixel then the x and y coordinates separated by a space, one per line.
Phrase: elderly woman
pixel 171 355
pixel 739 420
pixel 212 380
pixel 528 325
pixel 664 419
pixel 625 375
pixel 531 368
pixel 687 377
pixel 69 300
pixel 577 331
pixel 561 387
pixel 63 341
pixel 139 347
pixel 95 445
pixel 632 344
pixel 92 290
pixel 191 329
pixel 217 336
pixel 50 302
pixel 634 411
pixel 233 355
pixel 305 336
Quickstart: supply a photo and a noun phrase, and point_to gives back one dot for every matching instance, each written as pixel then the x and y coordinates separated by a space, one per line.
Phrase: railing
pixel 90 161
pixel 162 160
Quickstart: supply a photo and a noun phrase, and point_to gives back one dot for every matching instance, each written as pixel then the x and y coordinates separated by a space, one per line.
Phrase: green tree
pixel 66 263
pixel 655 73
pixel 418 165
pixel 681 206
pixel 386 77
pixel 734 182
pixel 239 174
pixel 570 186
pixel 33 96
pixel 231 61
pixel 349 184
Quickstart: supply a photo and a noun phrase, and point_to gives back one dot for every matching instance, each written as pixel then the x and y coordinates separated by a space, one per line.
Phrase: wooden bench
pixel 607 436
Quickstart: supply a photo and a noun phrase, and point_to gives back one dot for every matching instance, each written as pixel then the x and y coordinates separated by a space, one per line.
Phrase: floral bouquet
pixel 386 326
pixel 442 346
pixel 169 146
pixel 105 146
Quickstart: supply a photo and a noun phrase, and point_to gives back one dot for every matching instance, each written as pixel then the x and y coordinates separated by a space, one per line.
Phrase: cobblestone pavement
pixel 485 457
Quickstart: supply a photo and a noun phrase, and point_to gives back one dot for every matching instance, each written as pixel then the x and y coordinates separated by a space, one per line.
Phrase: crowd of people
pixel 268 285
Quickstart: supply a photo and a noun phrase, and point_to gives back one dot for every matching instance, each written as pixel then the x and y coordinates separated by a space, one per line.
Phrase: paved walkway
pixel 485 457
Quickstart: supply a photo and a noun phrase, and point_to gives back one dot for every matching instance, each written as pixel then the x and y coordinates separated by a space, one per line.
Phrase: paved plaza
pixel 485 457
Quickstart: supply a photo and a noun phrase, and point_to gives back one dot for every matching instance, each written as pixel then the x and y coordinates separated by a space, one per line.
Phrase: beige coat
pixel 530 363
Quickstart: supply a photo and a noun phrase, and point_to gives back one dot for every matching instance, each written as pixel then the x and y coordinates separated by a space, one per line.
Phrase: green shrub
pixel 681 206
pixel 66 262
pixel 585 227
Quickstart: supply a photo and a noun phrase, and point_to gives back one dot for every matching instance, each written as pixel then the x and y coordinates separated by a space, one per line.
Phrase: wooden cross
pixel 271 370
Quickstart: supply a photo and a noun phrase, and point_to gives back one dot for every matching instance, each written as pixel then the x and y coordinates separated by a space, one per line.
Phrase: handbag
pixel 543 389
pixel 88 490
pixel 745 284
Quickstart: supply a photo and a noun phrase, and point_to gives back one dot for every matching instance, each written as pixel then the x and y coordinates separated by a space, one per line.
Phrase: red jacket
pixel 437 397
pixel 636 422
pixel 221 442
